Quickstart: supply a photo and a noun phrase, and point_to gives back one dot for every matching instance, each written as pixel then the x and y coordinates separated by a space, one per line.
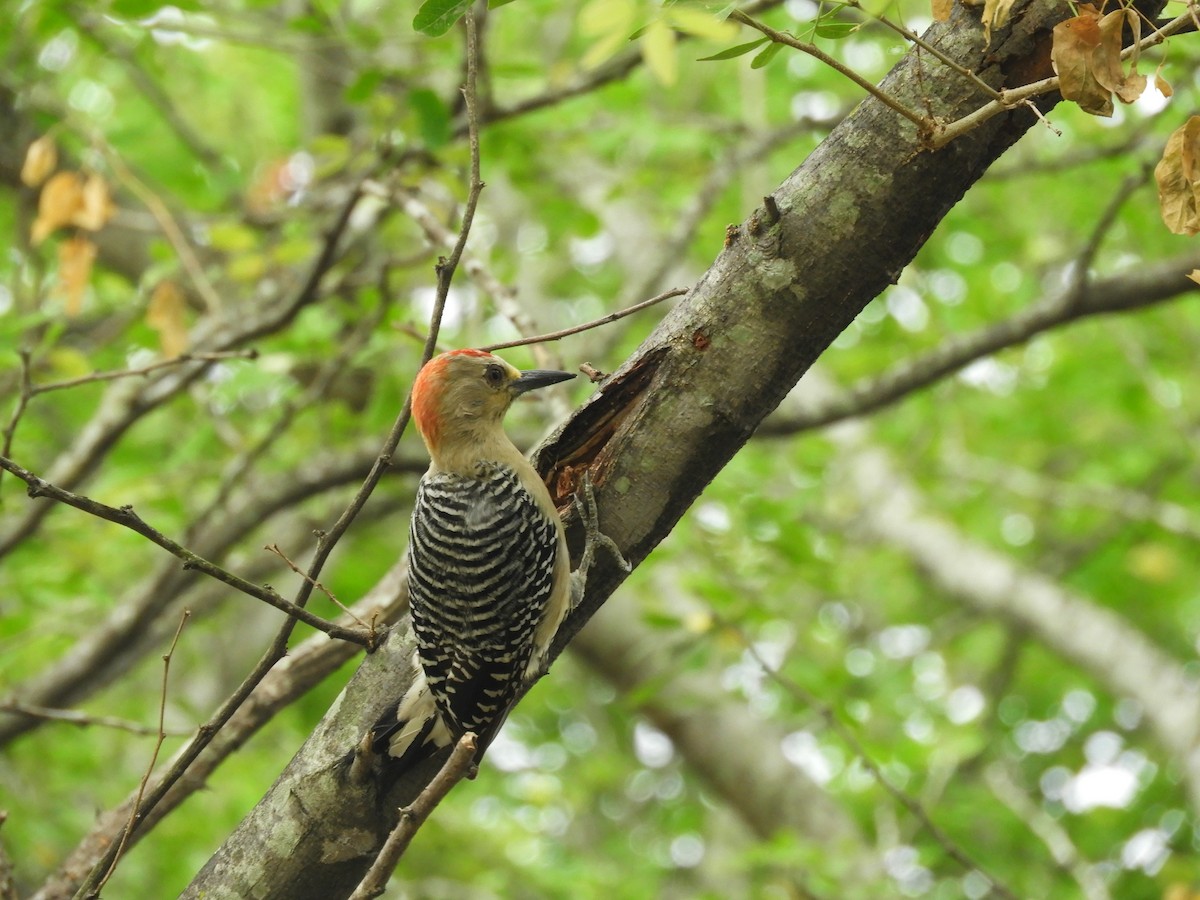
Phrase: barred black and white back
pixel 483 555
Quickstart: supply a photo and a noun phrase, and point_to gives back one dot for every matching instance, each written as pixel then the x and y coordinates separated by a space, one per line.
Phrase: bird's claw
pixel 585 505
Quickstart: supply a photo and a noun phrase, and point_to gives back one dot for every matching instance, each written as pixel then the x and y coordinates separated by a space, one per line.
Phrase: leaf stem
pixel 924 124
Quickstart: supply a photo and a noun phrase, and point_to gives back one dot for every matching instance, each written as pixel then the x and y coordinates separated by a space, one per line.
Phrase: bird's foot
pixel 585 505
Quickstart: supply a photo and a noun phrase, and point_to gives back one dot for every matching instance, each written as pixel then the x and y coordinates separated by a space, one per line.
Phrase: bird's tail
pixel 416 729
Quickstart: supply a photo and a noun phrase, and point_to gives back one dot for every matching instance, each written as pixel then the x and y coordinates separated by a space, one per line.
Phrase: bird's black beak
pixel 538 378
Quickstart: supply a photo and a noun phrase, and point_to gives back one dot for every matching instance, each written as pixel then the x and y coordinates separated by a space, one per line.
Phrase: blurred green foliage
pixel 1028 452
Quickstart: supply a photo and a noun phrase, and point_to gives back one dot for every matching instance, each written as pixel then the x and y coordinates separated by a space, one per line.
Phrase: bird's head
pixel 463 395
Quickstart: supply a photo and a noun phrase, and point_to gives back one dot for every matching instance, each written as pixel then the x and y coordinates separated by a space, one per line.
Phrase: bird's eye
pixel 493 375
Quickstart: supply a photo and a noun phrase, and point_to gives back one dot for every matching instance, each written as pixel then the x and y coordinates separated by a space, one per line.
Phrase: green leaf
pixel 496 4
pixel 140 9
pixel 435 17
pixel 364 86
pixel 601 17
pixel 433 116
pixel 701 24
pixel 292 251
pixel 658 50
pixel 307 24
pixel 232 237
pixel 835 30
pixel 768 54
pixel 829 26
pixel 733 52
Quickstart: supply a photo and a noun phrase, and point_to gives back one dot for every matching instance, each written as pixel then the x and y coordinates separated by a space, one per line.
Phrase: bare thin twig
pixel 29 390
pixel 162 736
pixel 944 134
pixel 274 548
pixel 304 295
pixel 445 273
pixel 923 124
pixel 174 234
pixel 613 70
pixel 929 48
pixel 307 665
pixel 203 738
pixel 142 370
pixel 587 326
pixel 502 295
pixel 330 370
pixel 81 719
pixel 23 397
pixel 538 339
pixel 413 816
pixel 128 518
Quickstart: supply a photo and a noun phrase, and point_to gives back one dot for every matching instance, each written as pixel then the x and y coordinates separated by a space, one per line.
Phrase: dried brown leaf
pixel 75 258
pixel 995 15
pixel 1087 57
pixel 1075 41
pixel 95 204
pixel 1178 187
pixel 165 315
pixel 1189 150
pixel 40 160
pixel 61 198
pixel 1106 58
pixel 941 10
pixel 1164 86
pixel 1106 55
pixel 1133 87
pixel 1194 275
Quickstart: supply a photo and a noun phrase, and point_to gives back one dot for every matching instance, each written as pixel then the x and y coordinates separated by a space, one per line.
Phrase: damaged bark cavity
pixel 584 444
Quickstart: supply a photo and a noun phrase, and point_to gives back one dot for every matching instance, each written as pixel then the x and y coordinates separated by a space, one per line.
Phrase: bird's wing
pixel 481 558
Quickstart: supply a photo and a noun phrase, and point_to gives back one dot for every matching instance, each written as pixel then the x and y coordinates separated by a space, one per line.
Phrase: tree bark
pixel 853 215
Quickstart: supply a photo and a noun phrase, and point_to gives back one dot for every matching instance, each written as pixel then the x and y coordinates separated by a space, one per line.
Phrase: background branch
pixel 1137 289
pixel 128 518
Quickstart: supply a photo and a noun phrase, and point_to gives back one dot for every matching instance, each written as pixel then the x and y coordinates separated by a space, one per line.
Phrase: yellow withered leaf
pixel 95 204
pixel 165 315
pixel 40 160
pixel 75 259
pixel 61 196
pixel 70 198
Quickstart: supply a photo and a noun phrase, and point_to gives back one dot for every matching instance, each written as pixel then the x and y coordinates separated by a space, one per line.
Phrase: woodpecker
pixel 489 572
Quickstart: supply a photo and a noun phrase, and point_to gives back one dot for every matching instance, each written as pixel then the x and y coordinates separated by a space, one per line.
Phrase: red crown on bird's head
pixel 427 390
